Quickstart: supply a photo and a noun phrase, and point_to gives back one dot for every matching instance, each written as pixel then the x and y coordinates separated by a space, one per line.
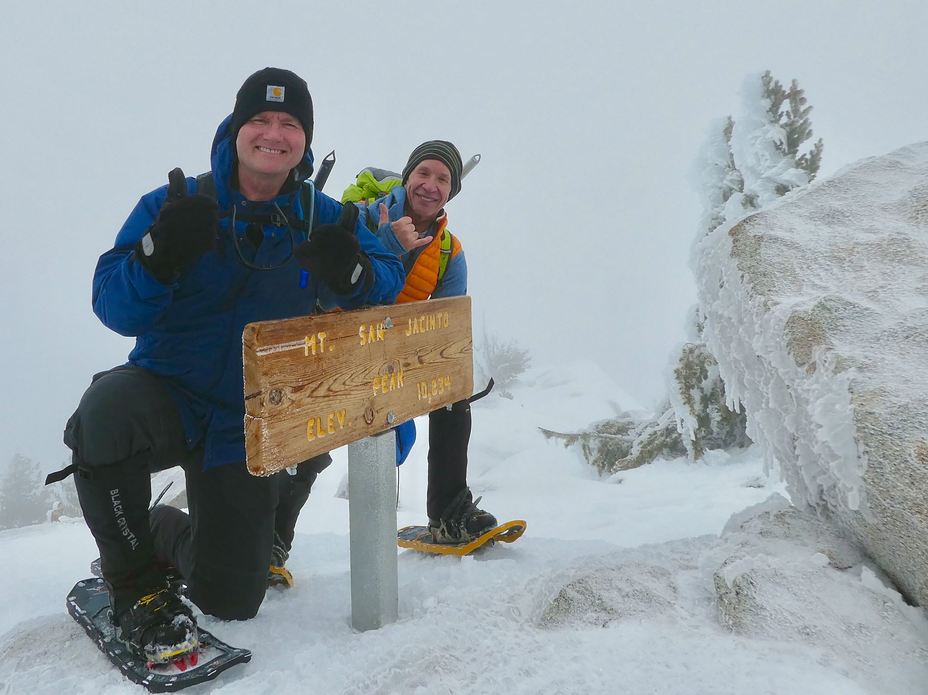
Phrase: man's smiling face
pixel 270 143
pixel 427 189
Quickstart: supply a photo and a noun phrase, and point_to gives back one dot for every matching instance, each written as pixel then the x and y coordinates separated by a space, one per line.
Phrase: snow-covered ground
pixel 611 589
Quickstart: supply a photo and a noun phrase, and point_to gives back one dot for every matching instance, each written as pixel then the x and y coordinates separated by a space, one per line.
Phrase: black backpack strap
pixel 308 203
pixel 62 474
pixel 102 473
pixel 206 185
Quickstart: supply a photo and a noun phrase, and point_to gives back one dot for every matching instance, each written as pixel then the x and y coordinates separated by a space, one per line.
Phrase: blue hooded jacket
pixel 190 332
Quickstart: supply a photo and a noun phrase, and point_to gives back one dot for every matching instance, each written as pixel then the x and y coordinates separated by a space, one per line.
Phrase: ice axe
pixel 324 170
pixel 469 165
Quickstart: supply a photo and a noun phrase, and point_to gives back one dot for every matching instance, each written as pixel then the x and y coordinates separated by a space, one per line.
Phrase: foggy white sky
pixel 577 224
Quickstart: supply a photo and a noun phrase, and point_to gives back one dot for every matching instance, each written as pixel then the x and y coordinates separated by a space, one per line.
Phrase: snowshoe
pixel 159 627
pixel 89 604
pixel 462 521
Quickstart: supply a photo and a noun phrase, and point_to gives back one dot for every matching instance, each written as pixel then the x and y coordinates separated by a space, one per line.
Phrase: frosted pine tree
pixel 768 140
pixel 697 395
pixel 717 179
pixel 23 499
pixel 744 165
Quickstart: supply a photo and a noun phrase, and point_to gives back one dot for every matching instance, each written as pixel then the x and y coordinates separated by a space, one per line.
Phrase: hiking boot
pixel 277 574
pixel 172 575
pixel 159 627
pixel 462 521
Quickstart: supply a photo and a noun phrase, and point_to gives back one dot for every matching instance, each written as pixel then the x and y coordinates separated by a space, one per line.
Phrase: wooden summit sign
pixel 316 383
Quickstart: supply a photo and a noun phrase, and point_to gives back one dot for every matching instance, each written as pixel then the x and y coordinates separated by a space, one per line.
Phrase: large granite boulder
pixel 817 311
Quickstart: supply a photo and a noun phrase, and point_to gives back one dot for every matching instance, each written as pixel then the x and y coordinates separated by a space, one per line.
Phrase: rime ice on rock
pixel 817 311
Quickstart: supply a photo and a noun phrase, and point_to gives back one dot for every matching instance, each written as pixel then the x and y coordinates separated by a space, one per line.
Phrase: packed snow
pixel 618 585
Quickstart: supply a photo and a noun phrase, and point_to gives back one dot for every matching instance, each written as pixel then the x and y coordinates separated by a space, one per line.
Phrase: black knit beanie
pixel 444 152
pixel 274 89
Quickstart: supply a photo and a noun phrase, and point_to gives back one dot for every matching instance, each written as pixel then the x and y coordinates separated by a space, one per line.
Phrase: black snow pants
pixel 293 491
pixel 127 427
pixel 449 435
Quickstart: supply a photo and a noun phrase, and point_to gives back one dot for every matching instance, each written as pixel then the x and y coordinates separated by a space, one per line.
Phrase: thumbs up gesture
pixel 185 229
pixel 334 256
pixel 403 229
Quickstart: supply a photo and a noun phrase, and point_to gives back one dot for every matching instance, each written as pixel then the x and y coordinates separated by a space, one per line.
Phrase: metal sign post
pixel 372 520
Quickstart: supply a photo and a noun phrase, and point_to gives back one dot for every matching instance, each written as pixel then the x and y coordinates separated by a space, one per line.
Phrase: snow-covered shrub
pixel 501 359
pixel 700 406
pixel 625 442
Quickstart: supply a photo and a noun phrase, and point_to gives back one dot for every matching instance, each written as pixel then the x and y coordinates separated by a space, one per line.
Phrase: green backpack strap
pixel 444 253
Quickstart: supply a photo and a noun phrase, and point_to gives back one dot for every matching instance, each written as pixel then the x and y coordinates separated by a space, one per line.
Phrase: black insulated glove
pixel 333 254
pixel 186 228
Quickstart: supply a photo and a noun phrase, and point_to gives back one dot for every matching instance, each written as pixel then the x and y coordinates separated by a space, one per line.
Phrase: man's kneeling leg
pixel 231 534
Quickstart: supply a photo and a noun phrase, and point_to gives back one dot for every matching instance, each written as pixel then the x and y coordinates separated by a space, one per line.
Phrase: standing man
pixel 195 261
pixel 411 222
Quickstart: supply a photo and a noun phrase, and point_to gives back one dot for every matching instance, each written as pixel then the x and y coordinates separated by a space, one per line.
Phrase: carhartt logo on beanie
pixel 274 89
pixel 444 152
